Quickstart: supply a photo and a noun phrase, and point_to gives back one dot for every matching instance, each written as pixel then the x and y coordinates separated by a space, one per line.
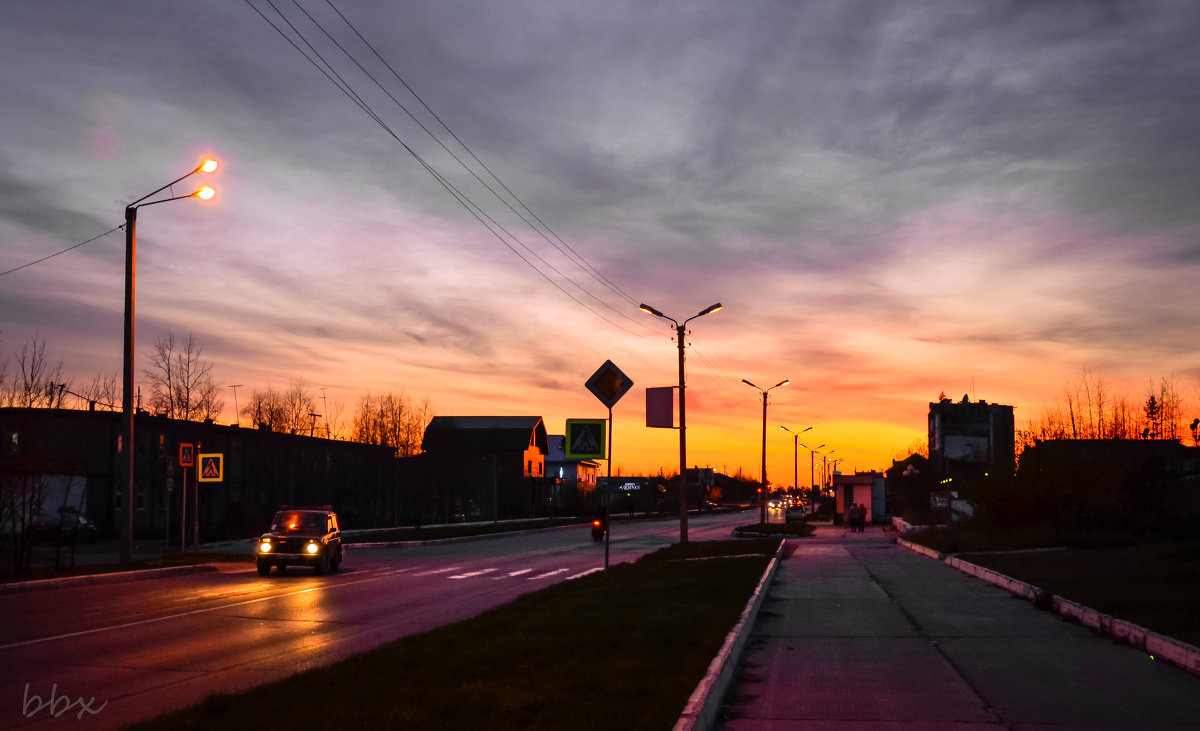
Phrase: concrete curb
pixel 108 578
pixel 1157 646
pixel 705 702
pixel 923 550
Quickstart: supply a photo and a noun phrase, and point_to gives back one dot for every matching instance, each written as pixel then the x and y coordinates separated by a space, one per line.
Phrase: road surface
pixel 97 657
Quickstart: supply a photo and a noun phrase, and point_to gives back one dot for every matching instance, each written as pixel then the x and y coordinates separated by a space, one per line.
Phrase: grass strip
pixel 622 649
pixel 1156 585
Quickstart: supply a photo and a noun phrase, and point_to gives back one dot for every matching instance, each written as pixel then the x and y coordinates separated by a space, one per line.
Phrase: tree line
pixel 1091 408
pixel 180 384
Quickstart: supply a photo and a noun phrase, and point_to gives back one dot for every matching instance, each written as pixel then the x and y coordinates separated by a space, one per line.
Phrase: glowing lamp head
pixel 205 193
pixel 208 165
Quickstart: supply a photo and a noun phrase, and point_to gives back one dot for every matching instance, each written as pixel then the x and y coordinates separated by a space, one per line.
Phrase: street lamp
pixel 812 485
pixel 237 417
pixel 205 193
pixel 679 332
pixel 826 472
pixel 762 501
pixel 796 457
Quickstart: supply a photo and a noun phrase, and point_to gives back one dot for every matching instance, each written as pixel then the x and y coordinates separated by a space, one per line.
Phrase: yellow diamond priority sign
pixel 609 384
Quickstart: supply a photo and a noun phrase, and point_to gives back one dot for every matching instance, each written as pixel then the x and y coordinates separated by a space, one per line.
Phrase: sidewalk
pixel 858 633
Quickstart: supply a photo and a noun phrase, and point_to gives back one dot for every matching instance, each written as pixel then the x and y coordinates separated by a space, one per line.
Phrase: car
pixel 301 537
pixel 72 526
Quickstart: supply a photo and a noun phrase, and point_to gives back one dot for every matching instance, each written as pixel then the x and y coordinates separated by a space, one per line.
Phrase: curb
pixel 1157 646
pixel 705 702
pixel 109 578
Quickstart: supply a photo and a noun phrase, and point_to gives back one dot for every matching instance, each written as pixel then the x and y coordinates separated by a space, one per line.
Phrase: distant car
pixel 72 527
pixel 301 537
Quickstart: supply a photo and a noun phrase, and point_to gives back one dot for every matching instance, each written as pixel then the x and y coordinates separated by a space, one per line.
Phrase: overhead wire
pixel 327 69
pixel 57 253
pixel 459 160
pixel 579 259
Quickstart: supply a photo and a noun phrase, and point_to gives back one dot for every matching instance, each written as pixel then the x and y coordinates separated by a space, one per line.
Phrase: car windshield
pixel 298 522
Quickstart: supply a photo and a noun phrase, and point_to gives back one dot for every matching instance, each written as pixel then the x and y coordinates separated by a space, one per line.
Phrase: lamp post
pixel 796 458
pixel 679 332
pixel 812 485
pixel 826 474
pixel 236 416
pixel 205 193
pixel 762 501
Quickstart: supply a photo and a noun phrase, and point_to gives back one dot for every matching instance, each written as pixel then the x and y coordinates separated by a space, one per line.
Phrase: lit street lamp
pixel 204 193
pixel 812 485
pixel 796 457
pixel 762 501
pixel 679 333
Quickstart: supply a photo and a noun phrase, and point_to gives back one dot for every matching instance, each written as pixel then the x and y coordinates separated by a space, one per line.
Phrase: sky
pixel 892 200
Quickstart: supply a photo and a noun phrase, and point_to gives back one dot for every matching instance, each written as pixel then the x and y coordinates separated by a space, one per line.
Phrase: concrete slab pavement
pixel 858 633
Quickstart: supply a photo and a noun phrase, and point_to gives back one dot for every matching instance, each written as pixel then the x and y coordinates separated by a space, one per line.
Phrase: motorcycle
pixel 599 528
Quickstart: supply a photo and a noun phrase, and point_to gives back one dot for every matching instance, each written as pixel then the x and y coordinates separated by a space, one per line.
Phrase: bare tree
pixel 264 409
pixel 392 420
pixel 282 411
pixel 37 383
pixel 181 384
pixel 104 391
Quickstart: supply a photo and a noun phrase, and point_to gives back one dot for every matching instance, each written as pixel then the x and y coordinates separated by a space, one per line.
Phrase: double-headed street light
pixel 762 502
pixel 679 333
pixel 812 486
pixel 205 193
pixel 795 454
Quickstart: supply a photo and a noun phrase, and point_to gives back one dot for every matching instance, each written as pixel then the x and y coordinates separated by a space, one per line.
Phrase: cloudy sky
pixel 891 200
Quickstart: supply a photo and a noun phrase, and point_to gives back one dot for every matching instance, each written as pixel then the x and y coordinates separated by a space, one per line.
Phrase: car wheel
pixel 264 568
pixel 322 566
pixel 336 562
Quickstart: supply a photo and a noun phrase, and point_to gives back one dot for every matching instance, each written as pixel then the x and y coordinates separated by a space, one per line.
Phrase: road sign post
pixel 608 384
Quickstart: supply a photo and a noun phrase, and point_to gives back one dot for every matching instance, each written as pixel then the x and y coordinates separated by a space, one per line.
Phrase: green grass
pixel 1156 586
pixel 623 649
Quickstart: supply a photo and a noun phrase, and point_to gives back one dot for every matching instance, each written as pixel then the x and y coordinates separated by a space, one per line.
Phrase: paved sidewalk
pixel 859 633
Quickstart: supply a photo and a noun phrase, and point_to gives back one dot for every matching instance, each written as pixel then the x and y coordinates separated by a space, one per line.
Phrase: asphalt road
pixel 98 657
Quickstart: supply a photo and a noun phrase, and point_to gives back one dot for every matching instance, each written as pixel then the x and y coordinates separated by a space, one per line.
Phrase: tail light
pixel 596 523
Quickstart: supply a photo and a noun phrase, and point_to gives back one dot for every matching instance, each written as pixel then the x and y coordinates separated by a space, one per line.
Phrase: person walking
pixel 852 517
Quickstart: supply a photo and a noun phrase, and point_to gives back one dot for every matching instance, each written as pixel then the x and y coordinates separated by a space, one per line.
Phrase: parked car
pixel 72 526
pixel 303 537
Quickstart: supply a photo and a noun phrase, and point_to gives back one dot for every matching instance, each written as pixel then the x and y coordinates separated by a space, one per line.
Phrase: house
pixel 489 467
pixel 574 480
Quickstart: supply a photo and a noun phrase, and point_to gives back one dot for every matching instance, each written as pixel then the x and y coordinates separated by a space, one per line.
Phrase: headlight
pixel 312 548
pixel 265 546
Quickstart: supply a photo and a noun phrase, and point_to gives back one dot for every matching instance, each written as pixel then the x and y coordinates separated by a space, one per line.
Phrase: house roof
pixel 485 433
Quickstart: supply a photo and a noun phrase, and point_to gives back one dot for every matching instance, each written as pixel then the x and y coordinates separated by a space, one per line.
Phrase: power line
pixel 69 248
pixel 580 260
pixel 327 69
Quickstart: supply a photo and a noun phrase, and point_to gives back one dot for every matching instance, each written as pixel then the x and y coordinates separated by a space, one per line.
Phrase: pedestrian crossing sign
pixel 585 439
pixel 212 468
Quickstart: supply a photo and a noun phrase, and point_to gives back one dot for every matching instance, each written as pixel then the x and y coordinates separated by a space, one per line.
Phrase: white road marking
pixel 547 574
pixel 470 574
pixel 438 571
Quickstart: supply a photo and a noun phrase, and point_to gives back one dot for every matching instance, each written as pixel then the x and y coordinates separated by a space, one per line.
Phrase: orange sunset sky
pixel 891 200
